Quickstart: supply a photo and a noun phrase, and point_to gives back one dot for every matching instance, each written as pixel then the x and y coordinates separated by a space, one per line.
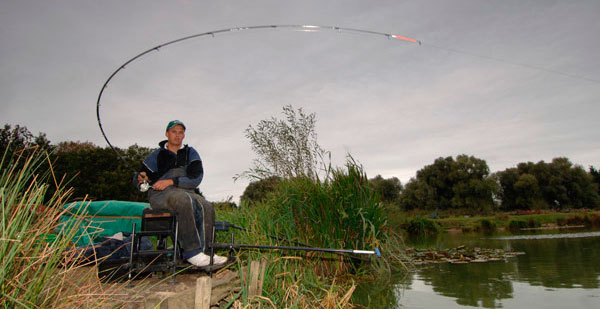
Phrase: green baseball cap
pixel 174 123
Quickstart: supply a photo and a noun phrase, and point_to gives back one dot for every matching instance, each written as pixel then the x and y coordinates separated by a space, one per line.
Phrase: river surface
pixel 559 269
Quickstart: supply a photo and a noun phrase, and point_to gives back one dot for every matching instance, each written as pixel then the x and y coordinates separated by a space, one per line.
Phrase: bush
pixel 421 226
pixel 589 220
pixel 576 220
pixel 531 223
pixel 561 221
pixel 501 216
pixel 224 205
pixel 594 220
pixel 487 226
pixel 257 191
pixel 515 225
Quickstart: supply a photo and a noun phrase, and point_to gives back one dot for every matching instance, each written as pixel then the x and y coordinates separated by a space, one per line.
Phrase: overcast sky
pixel 506 81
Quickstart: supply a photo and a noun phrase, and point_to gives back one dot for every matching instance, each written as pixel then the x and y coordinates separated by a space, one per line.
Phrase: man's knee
pixel 206 204
pixel 178 198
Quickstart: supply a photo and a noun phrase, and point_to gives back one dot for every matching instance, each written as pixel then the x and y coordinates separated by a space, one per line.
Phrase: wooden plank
pixel 261 278
pixel 226 278
pixel 184 299
pixel 203 293
pixel 153 303
pixel 222 292
pixel 254 274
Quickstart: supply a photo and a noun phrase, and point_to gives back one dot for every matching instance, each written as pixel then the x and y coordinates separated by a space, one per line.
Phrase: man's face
pixel 175 135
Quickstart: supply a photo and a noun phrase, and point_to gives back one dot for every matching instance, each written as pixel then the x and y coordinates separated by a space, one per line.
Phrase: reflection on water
pixel 558 270
pixel 554 262
pixel 471 284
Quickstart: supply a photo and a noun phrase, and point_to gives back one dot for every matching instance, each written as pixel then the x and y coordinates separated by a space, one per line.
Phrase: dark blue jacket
pixel 162 160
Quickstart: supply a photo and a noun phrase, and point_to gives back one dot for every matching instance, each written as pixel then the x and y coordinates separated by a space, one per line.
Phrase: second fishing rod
pixel 225 226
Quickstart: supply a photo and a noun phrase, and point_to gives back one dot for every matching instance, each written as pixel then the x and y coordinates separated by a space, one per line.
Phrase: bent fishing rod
pixel 312 28
pixel 303 28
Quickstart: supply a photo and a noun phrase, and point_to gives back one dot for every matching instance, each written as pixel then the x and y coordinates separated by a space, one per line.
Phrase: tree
pixel 558 184
pixel 98 172
pixel 19 137
pixel 527 191
pixel 471 185
pixel 388 189
pixel 451 184
pixel 418 194
pixel 257 191
pixel 507 192
pixel 595 178
pixel 285 148
pixel 71 146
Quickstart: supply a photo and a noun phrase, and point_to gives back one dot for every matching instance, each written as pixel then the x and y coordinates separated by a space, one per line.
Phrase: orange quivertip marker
pixel 405 38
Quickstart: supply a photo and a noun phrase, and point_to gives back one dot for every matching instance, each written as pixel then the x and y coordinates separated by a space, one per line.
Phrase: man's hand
pixel 162 184
pixel 142 177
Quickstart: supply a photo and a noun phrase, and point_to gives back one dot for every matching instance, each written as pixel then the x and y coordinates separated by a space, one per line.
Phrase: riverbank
pixel 419 222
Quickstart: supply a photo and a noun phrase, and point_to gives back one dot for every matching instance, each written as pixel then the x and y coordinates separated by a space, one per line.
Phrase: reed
pixel 38 267
pixel 343 211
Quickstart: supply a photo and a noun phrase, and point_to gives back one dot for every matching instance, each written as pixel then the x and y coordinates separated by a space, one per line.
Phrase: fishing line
pixel 500 60
pixel 308 28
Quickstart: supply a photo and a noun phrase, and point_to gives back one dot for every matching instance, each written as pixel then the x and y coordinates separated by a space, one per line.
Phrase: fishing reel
pixel 144 186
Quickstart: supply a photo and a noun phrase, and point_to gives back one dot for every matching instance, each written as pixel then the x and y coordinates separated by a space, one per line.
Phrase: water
pixel 558 270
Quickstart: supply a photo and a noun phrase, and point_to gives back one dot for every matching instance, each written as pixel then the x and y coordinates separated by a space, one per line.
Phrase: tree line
pixel 461 182
pixel 94 172
pixel 465 182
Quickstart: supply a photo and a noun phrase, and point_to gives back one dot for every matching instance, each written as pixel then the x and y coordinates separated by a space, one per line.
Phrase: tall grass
pixel 342 211
pixel 37 269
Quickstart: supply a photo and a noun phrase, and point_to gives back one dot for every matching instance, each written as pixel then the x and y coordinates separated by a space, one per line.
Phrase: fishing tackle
pixel 376 252
pixel 144 186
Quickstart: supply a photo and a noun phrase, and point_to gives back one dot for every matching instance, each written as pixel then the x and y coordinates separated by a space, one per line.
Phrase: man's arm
pixel 150 166
pixel 193 178
pixel 194 172
pixel 148 170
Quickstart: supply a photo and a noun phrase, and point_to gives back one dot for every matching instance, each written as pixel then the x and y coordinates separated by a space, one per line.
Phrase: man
pixel 173 171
